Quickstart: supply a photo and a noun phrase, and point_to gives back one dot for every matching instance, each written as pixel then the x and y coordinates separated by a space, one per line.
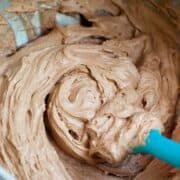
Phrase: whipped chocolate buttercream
pixel 90 8
pixel 98 90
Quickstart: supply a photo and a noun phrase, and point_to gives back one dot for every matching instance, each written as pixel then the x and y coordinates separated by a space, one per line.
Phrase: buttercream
pixel 98 89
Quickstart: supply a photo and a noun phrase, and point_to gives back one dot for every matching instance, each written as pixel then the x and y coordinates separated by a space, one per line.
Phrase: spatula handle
pixel 161 147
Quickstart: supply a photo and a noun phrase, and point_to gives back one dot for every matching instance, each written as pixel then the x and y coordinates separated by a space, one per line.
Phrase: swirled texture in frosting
pixel 100 93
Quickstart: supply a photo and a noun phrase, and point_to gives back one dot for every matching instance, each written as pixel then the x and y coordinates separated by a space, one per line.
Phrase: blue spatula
pixel 161 147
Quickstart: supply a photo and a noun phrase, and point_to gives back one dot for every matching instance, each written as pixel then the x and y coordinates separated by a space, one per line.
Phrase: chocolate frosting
pixel 97 91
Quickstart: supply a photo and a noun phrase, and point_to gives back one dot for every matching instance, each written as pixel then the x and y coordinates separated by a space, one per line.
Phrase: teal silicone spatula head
pixel 161 147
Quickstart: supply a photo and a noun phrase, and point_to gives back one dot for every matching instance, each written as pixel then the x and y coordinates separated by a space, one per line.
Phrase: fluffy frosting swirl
pixel 104 93
pixel 96 108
